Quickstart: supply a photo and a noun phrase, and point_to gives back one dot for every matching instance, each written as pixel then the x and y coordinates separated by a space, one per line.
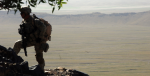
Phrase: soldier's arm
pixel 41 27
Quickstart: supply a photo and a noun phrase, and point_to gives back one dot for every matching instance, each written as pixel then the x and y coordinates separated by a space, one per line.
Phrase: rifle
pixel 23 37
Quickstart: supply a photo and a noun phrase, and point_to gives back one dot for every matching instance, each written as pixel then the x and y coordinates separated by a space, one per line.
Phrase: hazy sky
pixel 103 6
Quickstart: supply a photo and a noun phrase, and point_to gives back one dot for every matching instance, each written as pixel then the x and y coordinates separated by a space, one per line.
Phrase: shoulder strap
pixel 33 21
pixel 34 16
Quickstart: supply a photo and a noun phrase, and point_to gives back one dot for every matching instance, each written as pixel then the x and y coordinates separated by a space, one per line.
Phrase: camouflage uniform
pixel 32 35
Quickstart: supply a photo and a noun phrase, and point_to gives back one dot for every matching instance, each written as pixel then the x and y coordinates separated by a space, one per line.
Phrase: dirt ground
pixel 104 50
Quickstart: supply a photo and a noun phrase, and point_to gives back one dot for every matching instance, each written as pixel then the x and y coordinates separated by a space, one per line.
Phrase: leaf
pixel 7 11
pixel 21 3
pixel 31 4
pixel 59 7
pixel 60 1
pixel 43 1
pixel 15 10
pixel 64 2
pixel 53 9
pixel 18 6
pixel 51 4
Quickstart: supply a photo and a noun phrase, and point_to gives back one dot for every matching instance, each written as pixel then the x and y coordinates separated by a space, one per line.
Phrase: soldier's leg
pixel 39 56
pixel 40 60
pixel 17 46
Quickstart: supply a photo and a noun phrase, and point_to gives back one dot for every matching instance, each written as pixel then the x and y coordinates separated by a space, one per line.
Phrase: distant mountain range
pixel 142 18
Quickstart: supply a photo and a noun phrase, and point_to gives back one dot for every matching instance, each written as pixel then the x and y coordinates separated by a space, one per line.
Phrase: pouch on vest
pixel 47 35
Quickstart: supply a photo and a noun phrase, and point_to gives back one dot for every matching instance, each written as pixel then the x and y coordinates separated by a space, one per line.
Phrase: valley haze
pixel 98 44
pixel 141 18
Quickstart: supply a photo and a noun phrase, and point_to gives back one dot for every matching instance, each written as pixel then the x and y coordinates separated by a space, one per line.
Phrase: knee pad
pixel 45 47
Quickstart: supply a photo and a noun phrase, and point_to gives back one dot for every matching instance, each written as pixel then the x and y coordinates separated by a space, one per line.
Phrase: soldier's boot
pixel 42 66
pixel 40 60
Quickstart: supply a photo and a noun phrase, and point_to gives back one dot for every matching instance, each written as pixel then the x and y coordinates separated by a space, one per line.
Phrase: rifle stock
pixel 23 38
pixel 24 45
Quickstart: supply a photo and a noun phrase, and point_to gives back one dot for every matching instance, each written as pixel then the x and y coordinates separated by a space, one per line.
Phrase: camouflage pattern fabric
pixel 32 33
pixel 25 9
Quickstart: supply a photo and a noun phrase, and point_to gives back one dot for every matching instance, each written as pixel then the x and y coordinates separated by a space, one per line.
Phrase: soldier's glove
pixel 20 31
pixel 38 40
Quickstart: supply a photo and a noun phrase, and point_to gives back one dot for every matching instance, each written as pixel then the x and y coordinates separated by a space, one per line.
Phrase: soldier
pixel 35 30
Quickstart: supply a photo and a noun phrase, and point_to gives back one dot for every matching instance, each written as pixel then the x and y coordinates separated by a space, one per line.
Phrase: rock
pixel 13 65
pixel 60 71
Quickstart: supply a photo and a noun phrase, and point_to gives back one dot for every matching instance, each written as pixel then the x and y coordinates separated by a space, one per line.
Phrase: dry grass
pixel 96 50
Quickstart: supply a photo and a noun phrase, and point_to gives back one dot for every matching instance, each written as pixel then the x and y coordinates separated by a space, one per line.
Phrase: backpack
pixel 48 28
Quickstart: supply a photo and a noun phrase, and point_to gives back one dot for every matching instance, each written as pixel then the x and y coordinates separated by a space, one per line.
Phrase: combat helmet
pixel 25 9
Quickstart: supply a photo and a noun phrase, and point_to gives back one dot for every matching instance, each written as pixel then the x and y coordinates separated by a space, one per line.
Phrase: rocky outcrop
pixel 13 65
